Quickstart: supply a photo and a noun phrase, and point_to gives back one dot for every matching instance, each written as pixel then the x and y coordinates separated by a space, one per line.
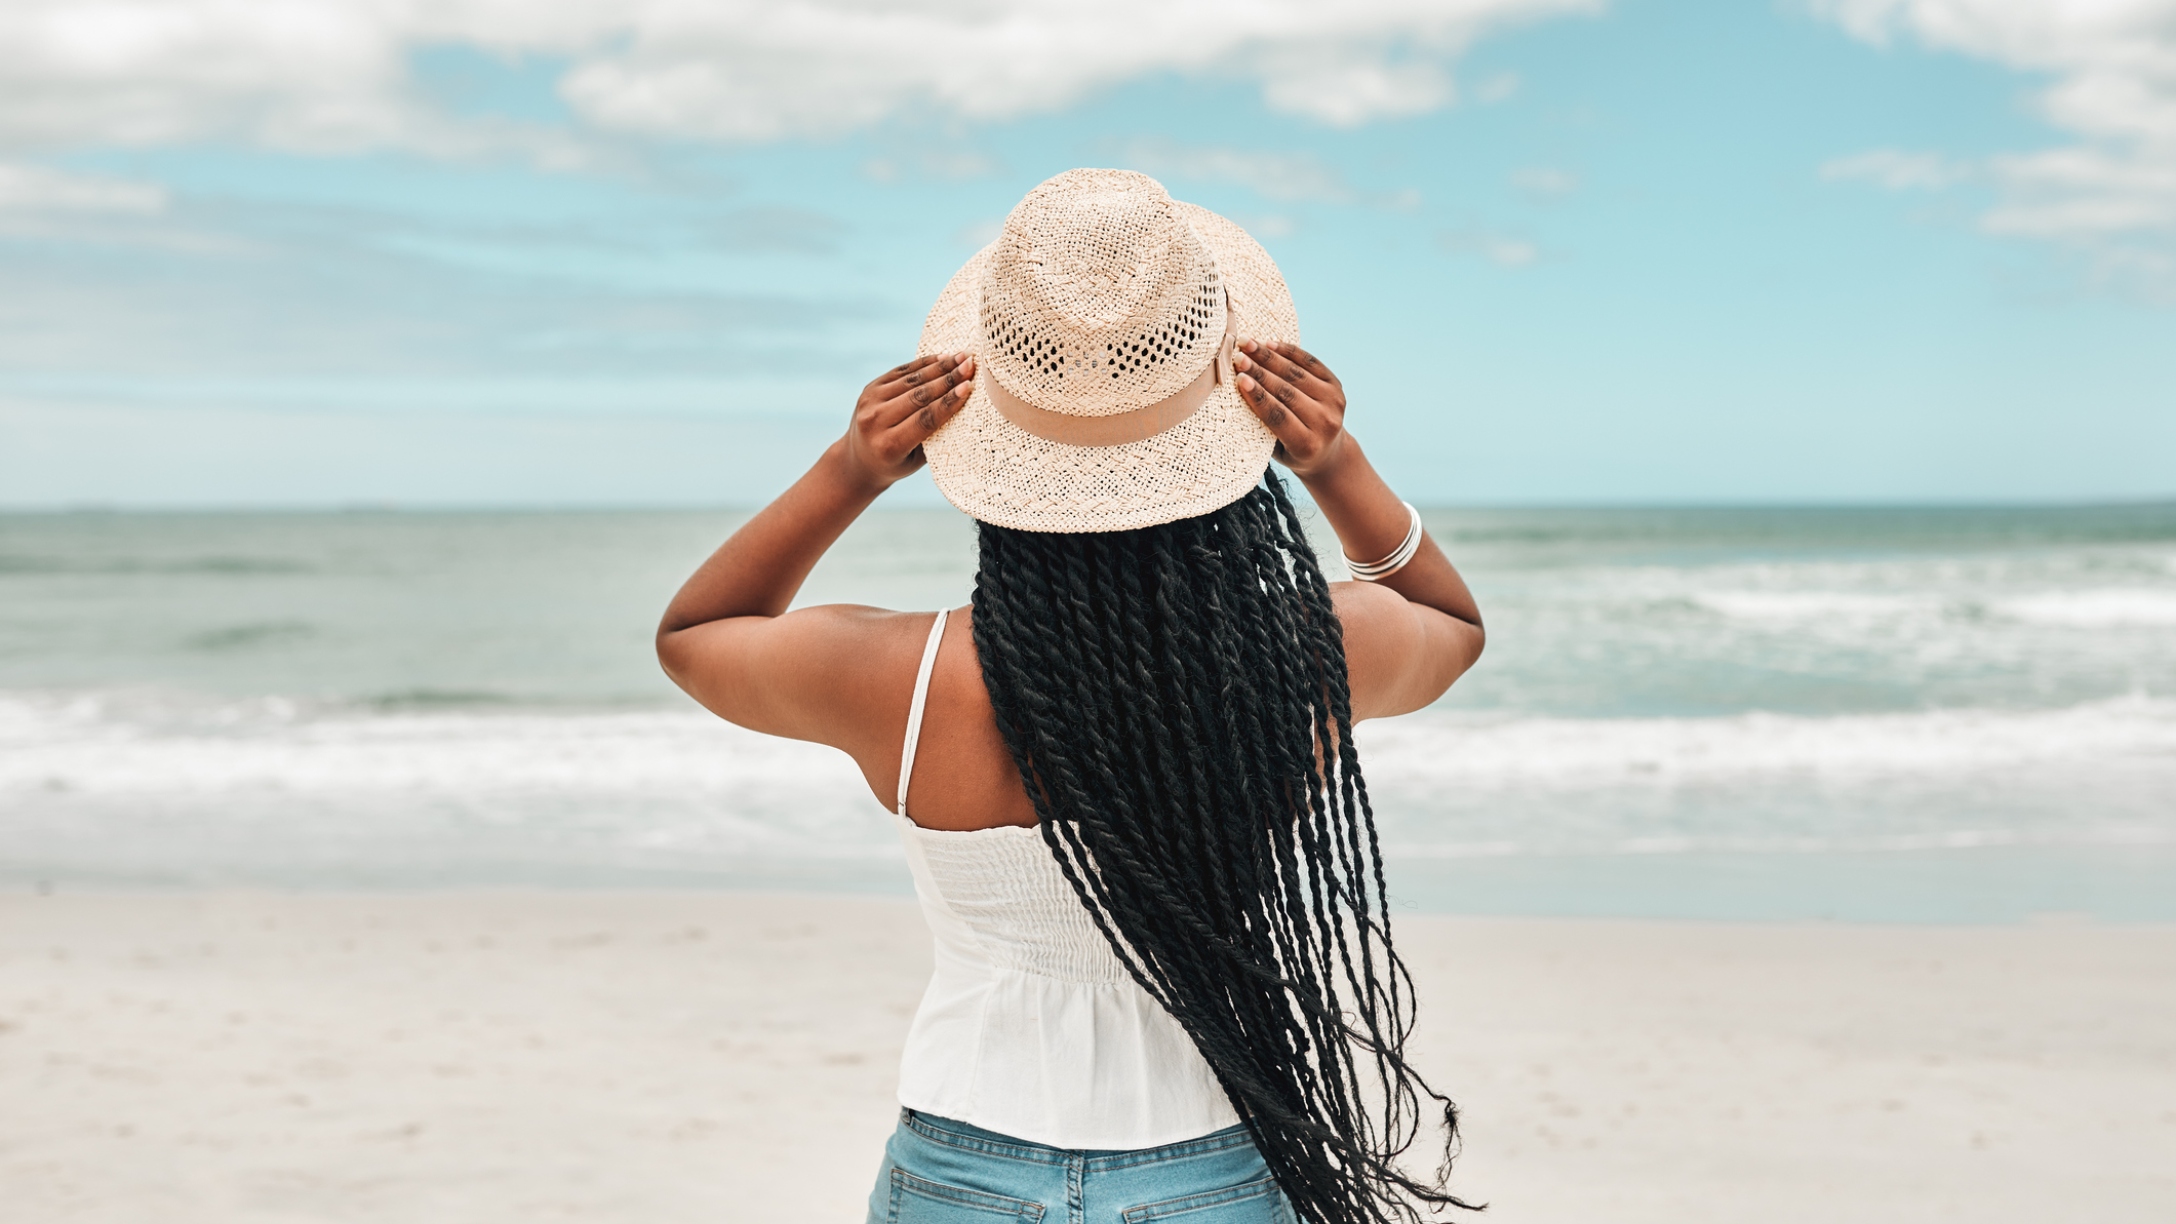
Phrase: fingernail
pixel 1246 382
pixel 1242 361
pixel 1247 345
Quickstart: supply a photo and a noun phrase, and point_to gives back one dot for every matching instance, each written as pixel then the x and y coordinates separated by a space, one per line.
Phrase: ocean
pixel 1895 715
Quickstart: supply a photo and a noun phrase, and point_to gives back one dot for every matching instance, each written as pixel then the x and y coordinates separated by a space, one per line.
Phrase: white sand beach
pixel 483 1057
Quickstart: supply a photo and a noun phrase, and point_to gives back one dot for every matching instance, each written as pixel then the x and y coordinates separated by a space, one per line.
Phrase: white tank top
pixel 1031 1026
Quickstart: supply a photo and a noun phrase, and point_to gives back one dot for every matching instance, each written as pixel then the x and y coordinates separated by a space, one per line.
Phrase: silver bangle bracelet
pixel 1376 571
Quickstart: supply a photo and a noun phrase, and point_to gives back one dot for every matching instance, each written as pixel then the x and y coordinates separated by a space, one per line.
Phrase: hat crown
pixel 1098 297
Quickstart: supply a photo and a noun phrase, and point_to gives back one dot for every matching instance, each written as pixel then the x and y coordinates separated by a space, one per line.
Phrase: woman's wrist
pixel 1347 481
pixel 1337 466
pixel 840 466
pixel 1369 520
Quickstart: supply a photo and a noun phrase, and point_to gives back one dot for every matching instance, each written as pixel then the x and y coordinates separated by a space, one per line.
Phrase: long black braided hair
pixel 1163 692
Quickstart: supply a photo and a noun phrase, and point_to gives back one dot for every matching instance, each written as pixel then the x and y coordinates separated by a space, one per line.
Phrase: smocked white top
pixel 1031 1026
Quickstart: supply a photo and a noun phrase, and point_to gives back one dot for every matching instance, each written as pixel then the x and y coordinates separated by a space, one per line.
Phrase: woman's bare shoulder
pixel 828 673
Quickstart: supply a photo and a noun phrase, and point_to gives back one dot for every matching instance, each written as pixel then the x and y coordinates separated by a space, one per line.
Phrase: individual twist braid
pixel 1176 700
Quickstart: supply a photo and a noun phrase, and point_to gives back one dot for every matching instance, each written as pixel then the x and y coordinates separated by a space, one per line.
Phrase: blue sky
pixel 1654 250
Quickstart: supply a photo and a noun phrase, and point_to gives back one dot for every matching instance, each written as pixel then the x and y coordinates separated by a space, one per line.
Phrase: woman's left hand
pixel 1298 398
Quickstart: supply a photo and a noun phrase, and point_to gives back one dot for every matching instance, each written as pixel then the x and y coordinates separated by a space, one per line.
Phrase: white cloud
pixel 2086 192
pixel 1502 250
pixel 1276 176
pixel 1898 170
pixel 1512 253
pixel 1268 225
pixel 2112 65
pixel 944 165
pixel 741 70
pixel 979 234
pixel 1544 182
pixel 1348 86
pixel 335 75
pixel 40 189
pixel 1497 87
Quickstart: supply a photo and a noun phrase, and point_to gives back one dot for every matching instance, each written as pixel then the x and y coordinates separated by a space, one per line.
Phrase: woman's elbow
pixel 673 650
pixel 1455 657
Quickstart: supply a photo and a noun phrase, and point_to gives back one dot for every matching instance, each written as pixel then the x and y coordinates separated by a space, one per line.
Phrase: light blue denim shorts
pixel 937 1171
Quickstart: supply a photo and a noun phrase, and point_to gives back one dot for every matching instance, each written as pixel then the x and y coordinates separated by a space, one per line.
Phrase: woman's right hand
pixel 898 411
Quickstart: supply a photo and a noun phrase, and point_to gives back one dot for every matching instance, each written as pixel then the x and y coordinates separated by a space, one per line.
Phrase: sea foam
pixel 185 783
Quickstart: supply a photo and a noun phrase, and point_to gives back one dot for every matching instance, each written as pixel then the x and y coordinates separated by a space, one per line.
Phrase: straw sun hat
pixel 1102 321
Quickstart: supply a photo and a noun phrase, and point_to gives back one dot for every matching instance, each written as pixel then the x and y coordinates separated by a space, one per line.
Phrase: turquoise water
pixel 1942 714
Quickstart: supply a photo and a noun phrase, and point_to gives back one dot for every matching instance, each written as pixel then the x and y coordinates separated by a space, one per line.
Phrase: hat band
pixel 1118 428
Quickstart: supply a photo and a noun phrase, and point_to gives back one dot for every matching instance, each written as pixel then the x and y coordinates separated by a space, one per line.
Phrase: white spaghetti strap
pixel 914 711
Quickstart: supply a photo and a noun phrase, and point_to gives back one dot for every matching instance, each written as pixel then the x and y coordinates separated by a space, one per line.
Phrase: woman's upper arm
pixel 815 674
pixel 1399 655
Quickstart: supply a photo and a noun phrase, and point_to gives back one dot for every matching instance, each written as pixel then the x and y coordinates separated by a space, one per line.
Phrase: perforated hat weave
pixel 1103 296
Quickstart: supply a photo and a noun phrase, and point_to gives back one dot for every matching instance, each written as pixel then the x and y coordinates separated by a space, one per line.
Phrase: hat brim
pixel 999 473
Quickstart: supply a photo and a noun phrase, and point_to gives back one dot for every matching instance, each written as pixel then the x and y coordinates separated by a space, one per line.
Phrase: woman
pixel 1165 981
